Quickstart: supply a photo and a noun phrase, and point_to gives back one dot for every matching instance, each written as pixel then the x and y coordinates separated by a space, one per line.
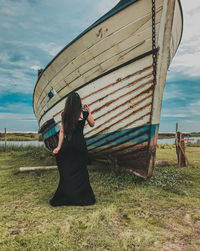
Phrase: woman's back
pixel 77 139
pixel 74 185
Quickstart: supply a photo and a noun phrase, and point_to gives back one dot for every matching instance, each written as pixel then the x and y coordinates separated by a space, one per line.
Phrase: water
pixel 40 143
pixel 23 143
pixel 172 140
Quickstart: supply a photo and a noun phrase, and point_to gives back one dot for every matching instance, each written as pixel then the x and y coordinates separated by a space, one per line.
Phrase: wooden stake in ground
pixel 183 152
pixel 176 141
pixel 5 139
pixel 180 149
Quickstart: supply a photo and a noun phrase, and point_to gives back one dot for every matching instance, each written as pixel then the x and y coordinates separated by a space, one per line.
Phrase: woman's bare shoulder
pixel 81 116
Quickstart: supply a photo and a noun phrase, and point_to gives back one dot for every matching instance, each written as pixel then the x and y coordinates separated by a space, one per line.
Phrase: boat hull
pixel 110 66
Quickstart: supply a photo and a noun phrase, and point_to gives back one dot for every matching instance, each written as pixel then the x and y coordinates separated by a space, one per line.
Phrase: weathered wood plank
pixel 98 52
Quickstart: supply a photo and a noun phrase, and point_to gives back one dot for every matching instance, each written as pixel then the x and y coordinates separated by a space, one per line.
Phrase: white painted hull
pixel 111 68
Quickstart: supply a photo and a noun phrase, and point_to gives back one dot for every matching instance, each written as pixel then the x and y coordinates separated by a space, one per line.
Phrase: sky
pixel 32 32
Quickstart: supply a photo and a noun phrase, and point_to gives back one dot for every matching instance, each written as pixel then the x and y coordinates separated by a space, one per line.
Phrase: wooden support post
pixel 5 139
pixel 183 152
pixel 176 141
pixel 180 148
pixel 176 127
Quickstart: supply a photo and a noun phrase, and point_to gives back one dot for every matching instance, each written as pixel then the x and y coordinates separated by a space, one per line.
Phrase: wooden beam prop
pixel 27 169
pixel 183 152
pixel 45 168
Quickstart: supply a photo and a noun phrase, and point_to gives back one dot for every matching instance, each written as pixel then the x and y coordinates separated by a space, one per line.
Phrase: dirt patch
pixel 177 245
pixel 197 228
pixel 28 194
pixel 18 228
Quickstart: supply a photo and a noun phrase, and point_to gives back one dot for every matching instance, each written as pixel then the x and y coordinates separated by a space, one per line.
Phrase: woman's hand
pixel 56 150
pixel 87 108
pixel 90 118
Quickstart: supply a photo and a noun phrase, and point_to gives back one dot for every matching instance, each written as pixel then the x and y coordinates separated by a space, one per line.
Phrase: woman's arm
pixel 90 119
pixel 61 137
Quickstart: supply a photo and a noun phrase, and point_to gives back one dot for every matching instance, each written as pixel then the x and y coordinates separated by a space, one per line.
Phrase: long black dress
pixel 74 185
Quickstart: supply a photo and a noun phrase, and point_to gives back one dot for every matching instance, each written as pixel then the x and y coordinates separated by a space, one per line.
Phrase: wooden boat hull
pixel 110 65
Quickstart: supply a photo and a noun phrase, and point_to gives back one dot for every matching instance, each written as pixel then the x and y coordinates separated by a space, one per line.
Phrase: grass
pixel 20 137
pixel 195 144
pixel 160 213
pixel 172 135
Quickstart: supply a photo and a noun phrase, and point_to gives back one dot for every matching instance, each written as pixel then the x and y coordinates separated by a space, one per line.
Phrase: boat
pixel 118 65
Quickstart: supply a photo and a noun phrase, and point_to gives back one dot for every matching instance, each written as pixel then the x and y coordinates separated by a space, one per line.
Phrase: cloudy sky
pixel 32 32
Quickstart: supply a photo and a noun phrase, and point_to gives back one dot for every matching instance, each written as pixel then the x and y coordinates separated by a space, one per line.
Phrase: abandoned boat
pixel 118 66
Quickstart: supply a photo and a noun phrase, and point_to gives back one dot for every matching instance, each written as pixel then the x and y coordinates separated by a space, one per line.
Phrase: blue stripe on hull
pixel 133 148
pixel 51 132
pixel 154 128
pixel 135 135
pixel 119 137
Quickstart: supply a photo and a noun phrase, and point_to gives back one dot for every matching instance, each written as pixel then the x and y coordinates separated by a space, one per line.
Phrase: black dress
pixel 74 185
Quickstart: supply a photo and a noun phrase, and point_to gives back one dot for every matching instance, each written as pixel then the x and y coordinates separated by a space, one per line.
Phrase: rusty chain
pixel 154 51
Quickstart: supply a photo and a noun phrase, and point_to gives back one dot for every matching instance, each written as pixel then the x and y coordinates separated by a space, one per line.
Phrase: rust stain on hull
pixel 128 101
pixel 117 107
pixel 122 96
pixel 114 100
pixel 118 122
pixel 113 84
pixel 119 80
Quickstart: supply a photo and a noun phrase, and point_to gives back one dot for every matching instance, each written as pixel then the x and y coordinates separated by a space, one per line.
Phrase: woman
pixel 71 156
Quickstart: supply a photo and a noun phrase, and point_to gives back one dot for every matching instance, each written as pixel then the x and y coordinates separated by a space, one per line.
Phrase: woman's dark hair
pixel 71 114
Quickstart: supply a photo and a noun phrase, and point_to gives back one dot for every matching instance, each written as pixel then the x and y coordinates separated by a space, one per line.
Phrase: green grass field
pixel 160 213
pixel 20 137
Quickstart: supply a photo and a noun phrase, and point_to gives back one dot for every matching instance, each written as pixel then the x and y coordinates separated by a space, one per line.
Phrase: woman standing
pixel 71 156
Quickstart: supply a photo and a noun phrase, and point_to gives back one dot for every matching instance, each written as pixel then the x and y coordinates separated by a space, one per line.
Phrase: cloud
pixel 18 122
pixel 36 67
pixel 9 9
pixel 194 108
pixel 180 104
pixel 186 64
pixel 188 125
pixel 51 48
pixel 195 104
pixel 33 32
pixel 12 108
pixel 15 81
pixel 187 58
pixel 16 116
pixel 104 6
pixel 174 115
pixel 174 91
pixel 18 63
